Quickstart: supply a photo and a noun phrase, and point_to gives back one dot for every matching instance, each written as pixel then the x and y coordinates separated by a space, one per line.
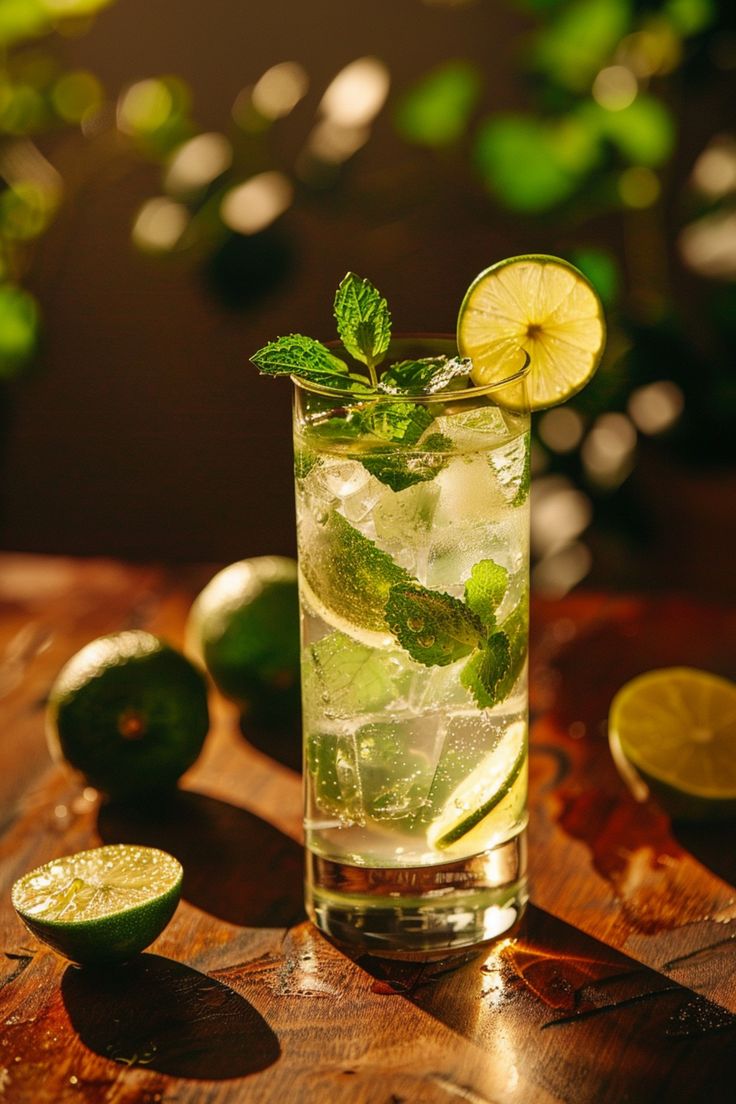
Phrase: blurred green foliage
pixel 593 160
pixel 37 95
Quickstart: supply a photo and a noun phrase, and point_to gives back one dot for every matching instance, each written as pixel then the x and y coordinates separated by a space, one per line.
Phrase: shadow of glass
pixel 236 866
pixel 158 1013
pixel 591 1023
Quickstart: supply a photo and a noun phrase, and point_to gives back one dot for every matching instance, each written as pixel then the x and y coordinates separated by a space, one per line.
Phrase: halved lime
pixel 103 905
pixel 676 727
pixel 497 785
pixel 543 306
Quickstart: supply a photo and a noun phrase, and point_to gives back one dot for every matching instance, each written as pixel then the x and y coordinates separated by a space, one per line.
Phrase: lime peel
pixel 470 804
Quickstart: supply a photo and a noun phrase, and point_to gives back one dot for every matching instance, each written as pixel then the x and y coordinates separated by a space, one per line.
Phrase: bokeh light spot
pixel 159 225
pixel 615 88
pixel 198 162
pixel 608 450
pixel 280 89
pixel 254 205
pixel 656 406
pixel 638 186
pixel 356 95
pixel 145 106
pixel 561 429
pixel 714 173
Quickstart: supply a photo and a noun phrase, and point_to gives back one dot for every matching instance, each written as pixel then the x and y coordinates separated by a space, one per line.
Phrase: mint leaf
pixel 516 628
pixel 363 320
pixel 424 376
pixel 434 628
pixel 485 589
pixel 399 472
pixel 296 355
pixel 401 423
pixel 486 670
pixel 349 677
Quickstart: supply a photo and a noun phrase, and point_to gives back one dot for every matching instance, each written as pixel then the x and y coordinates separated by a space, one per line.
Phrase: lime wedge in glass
pixel 673 732
pixel 543 306
pixel 103 905
pixel 488 801
pixel 345 578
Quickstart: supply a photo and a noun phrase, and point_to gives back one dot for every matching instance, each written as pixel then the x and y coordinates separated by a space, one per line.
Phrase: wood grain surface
pixel 619 986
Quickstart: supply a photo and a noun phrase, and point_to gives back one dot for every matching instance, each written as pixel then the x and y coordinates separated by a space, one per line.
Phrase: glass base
pixel 421 912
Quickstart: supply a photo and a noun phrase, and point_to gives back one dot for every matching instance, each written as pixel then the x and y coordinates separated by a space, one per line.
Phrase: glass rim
pixel 437 396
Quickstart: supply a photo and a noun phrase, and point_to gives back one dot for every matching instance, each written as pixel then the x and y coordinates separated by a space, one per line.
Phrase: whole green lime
pixel 245 625
pixel 129 712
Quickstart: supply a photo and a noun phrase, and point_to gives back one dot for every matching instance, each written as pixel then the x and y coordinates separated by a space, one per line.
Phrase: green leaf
pixel 434 628
pixel 296 355
pixel 399 472
pixel 437 110
pixel 363 319
pixel 485 589
pixel 401 423
pixel 350 677
pixel 484 674
pixel 424 376
pixel 516 629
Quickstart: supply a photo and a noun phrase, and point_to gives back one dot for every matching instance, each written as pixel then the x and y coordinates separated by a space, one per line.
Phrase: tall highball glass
pixel 413 535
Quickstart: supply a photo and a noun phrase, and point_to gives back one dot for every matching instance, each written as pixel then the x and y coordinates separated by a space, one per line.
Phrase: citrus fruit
pixel 346 578
pixel 129 712
pixel 496 786
pixel 539 305
pixel 103 905
pixel 245 625
pixel 676 727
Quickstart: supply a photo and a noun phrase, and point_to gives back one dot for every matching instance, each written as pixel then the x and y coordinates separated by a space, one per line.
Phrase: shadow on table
pixel 236 866
pixel 282 743
pixel 159 1014
pixel 592 1024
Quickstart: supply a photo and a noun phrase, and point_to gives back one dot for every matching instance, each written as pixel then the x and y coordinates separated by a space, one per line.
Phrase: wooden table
pixel 620 986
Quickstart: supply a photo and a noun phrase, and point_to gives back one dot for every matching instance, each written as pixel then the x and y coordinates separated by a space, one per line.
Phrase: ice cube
pixel 469 491
pixel 509 464
pixel 396 763
pixel 474 430
pixel 402 522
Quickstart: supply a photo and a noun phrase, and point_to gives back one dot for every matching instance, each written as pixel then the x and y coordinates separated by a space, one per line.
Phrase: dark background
pixel 142 431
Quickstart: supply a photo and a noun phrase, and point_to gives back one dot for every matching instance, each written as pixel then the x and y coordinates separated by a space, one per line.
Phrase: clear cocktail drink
pixel 414 595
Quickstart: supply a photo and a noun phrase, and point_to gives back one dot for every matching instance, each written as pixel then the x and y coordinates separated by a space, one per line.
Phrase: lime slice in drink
pixel 100 906
pixel 346 579
pixel 674 730
pixel 543 306
pixel 489 800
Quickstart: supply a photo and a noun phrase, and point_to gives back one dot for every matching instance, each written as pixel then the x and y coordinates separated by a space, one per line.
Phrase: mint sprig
pixel 437 629
pixel 363 321
pixel 364 327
